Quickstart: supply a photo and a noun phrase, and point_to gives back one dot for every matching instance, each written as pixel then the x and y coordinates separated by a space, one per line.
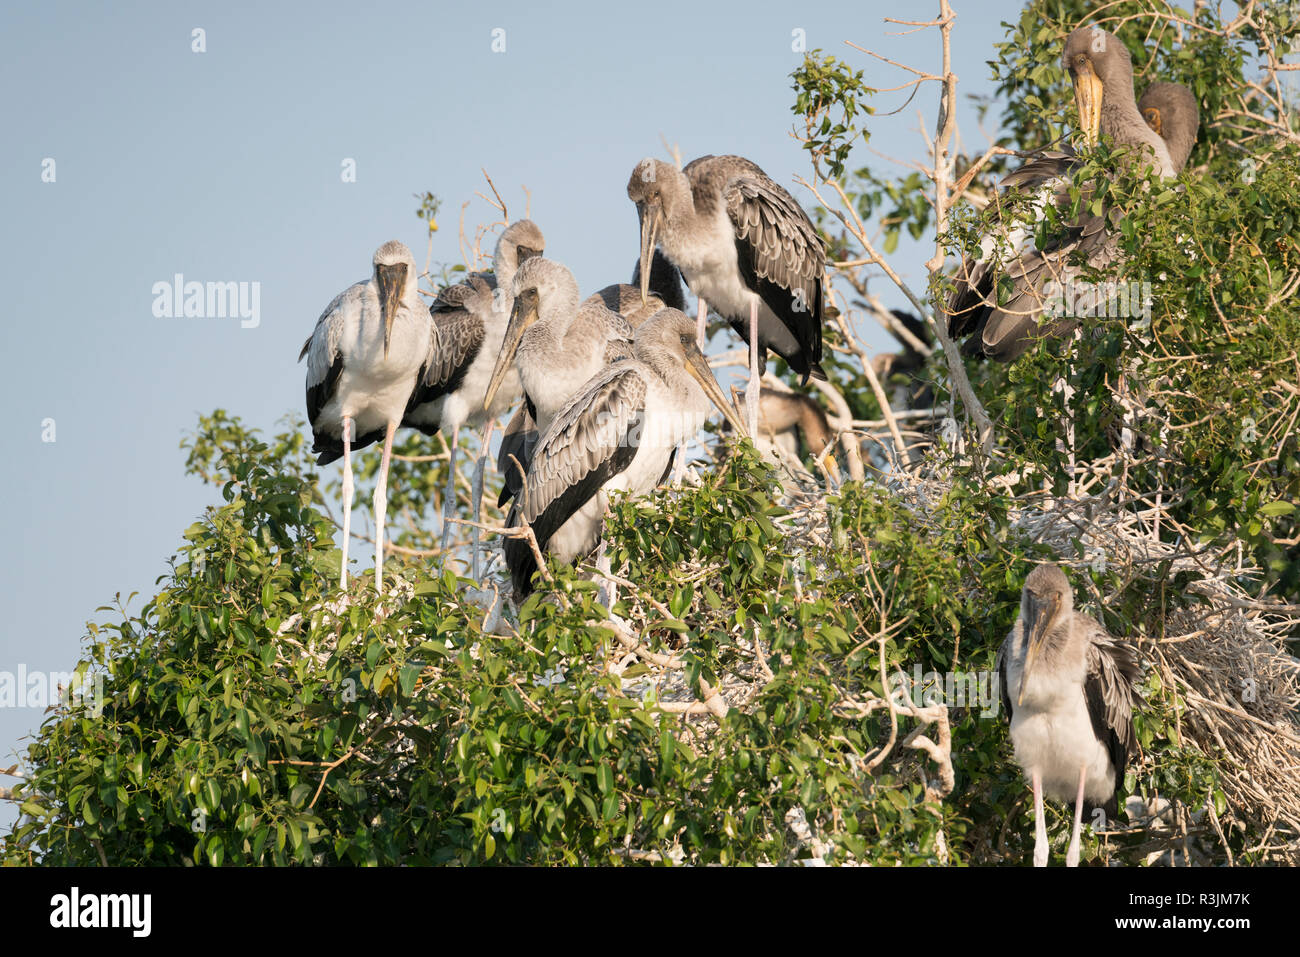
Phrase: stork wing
pixel 592 439
pixel 324 362
pixel 1005 650
pixel 1109 692
pixel 1009 329
pixel 461 295
pixel 518 443
pixel 455 338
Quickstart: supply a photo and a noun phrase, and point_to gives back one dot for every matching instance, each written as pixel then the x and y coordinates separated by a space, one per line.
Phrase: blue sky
pixel 226 165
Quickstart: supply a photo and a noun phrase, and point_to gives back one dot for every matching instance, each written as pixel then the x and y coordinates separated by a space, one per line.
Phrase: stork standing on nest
pixel 469 323
pixel 746 247
pixel 363 361
pixel 1072 717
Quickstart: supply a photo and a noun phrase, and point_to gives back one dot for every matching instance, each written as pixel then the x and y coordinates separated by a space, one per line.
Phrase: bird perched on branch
pixel 1003 307
pixel 618 432
pixel 363 361
pixel 469 325
pixel 743 244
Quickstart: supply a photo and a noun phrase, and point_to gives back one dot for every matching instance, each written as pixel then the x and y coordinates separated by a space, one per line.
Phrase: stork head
pixel 539 286
pixel 670 334
pixel 1171 110
pixel 394 268
pixel 654 187
pixel 665 280
pixel 521 240
pixel 1097 61
pixel 1045 601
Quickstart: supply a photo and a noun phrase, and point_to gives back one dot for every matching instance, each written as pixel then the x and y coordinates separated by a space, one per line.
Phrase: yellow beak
pixel 1087 97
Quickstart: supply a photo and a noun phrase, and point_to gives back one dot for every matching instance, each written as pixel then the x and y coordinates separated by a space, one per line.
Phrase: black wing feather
pixel 520 559
pixel 1109 693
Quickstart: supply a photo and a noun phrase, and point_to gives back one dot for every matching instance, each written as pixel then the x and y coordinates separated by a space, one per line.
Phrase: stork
pixel 1072 717
pixel 618 433
pixel 746 248
pixel 521 433
pixel 665 292
pixel 1004 328
pixel 1171 110
pixel 363 361
pixel 788 417
pixel 469 324
pixel 556 343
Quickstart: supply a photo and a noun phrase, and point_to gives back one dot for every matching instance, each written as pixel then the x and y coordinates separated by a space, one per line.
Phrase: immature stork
pixel 617 433
pixel 665 292
pixel 556 343
pixel 523 432
pixel 744 245
pixel 1005 327
pixel 787 417
pixel 469 324
pixel 1172 111
pixel 362 364
pixel 1072 721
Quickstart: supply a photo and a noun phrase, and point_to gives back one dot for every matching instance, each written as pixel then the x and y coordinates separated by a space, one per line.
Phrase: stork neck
pixel 1181 141
pixel 1121 121
pixel 558 306
pixel 505 263
pixel 680 215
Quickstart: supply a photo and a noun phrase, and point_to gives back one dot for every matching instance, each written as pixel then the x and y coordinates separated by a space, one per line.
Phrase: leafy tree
pixel 740 700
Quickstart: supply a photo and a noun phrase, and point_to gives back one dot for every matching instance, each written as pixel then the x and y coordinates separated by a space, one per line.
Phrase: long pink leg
pixel 449 502
pixel 381 506
pixel 1040 828
pixel 701 322
pixel 1072 853
pixel 751 391
pixel 480 468
pixel 347 499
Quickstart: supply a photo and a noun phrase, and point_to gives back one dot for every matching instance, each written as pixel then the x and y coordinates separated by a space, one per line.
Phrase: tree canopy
pixel 741 701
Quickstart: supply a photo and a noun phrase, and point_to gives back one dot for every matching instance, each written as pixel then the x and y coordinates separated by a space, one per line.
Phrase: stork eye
pixel 686 340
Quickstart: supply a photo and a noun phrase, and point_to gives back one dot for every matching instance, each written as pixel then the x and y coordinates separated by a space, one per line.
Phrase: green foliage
pixel 829 98
pixel 253 715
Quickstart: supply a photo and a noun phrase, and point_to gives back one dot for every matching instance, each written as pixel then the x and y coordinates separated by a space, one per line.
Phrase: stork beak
pixel 698 368
pixel 649 233
pixel 1037 621
pixel 392 280
pixel 1087 97
pixel 522 315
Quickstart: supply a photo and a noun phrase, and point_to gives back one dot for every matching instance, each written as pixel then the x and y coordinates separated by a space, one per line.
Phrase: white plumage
pixel 363 360
pixel 1067 687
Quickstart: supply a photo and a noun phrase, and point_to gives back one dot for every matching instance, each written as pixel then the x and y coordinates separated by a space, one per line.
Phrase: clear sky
pixel 226 165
